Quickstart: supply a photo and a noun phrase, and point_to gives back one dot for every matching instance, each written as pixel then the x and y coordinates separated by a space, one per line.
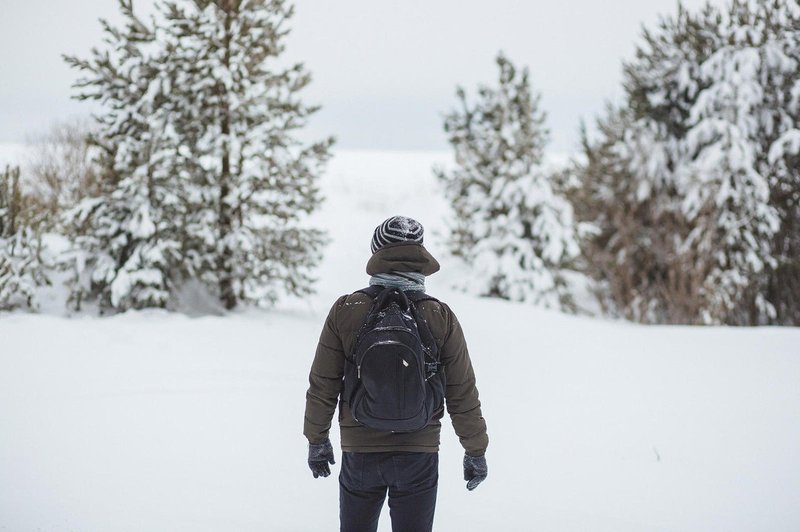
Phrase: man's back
pixel 461 399
pixel 336 342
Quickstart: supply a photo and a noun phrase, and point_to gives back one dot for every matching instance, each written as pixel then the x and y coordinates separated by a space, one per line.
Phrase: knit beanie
pixel 397 229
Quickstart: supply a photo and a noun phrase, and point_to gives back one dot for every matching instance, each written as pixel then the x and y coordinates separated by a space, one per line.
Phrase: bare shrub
pixel 60 169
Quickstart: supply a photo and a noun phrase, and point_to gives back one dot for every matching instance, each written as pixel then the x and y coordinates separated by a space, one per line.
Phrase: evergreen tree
pixel 709 98
pixel 203 178
pixel 236 113
pixel 628 192
pixel 625 254
pixel 125 239
pixel 777 292
pixel 21 268
pixel 512 229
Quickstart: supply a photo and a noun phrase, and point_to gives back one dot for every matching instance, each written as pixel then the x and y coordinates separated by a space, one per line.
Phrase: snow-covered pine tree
pixel 512 229
pixel 126 243
pixel 625 255
pixel 628 192
pixel 203 175
pixel 778 23
pixel 21 268
pixel 711 96
pixel 250 181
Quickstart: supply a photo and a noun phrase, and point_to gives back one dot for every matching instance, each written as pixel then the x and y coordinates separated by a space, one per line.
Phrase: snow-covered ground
pixel 151 421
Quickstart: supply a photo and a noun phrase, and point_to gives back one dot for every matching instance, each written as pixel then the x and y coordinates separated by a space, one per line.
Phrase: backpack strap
pixel 372 291
pixel 415 296
pixel 418 296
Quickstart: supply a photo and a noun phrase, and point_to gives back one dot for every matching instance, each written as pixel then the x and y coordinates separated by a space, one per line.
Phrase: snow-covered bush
pixel 60 169
pixel 511 228
pixel 21 268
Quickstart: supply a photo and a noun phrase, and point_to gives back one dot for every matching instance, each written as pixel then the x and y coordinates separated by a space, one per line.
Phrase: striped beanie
pixel 397 229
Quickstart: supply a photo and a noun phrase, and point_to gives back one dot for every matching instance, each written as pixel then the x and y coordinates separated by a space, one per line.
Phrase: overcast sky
pixel 385 71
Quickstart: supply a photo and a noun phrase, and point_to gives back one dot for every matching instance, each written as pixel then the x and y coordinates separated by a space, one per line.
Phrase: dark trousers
pixel 411 479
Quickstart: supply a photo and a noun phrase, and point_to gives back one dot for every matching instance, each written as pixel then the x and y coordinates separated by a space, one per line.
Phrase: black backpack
pixel 393 378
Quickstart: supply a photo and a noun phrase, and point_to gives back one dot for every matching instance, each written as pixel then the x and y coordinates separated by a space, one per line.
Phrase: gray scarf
pixel 401 280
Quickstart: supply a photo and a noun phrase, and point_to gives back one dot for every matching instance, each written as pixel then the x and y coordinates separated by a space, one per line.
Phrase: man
pixel 405 463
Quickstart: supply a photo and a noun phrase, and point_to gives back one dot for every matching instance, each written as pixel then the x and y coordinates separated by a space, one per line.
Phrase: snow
pixel 165 422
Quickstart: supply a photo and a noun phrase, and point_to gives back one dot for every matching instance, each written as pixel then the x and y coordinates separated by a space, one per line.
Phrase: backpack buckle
pixel 431 369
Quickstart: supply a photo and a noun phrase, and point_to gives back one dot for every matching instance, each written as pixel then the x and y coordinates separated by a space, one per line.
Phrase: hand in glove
pixel 319 454
pixel 475 470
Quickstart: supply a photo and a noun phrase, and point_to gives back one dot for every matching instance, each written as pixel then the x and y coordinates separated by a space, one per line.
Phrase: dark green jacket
pixel 336 340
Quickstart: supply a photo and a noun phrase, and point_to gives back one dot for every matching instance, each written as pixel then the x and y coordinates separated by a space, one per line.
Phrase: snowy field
pixel 160 422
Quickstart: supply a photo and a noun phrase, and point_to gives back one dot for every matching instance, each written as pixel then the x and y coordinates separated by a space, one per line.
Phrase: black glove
pixel 319 454
pixel 475 470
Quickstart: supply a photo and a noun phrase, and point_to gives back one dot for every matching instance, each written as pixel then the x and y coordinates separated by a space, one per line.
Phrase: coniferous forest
pixel 682 206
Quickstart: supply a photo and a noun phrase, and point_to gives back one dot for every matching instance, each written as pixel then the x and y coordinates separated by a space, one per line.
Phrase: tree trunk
pixel 224 258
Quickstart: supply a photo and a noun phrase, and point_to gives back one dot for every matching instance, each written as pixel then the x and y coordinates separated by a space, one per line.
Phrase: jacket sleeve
pixel 325 380
pixel 461 395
